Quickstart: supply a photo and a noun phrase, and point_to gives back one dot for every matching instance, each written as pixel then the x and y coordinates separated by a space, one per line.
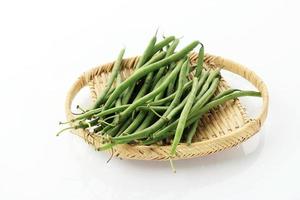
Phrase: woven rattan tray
pixel 223 127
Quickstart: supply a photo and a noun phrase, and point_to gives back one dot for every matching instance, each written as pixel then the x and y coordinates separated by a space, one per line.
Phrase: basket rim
pixel 198 148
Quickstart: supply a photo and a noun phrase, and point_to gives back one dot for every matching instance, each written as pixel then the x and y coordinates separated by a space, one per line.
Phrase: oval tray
pixel 223 127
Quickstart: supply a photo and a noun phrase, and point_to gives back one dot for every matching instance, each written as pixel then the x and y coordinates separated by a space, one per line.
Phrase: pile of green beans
pixel 160 103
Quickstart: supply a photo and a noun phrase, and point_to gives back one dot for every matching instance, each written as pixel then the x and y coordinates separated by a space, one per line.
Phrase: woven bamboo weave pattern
pixel 221 128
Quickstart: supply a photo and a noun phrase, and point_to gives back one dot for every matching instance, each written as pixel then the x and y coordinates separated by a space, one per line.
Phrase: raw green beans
pixel 146 55
pixel 160 103
pixel 183 117
pixel 137 121
pixel 147 97
pixel 210 78
pixel 114 73
pixel 147 69
pixel 191 132
pixel 149 77
pixel 151 108
pixel 200 61
pixel 170 51
pixel 163 43
pixel 167 131
pixel 224 93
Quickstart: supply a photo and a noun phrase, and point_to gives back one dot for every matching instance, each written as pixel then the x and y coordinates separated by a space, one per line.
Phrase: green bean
pixel 177 96
pixel 199 103
pixel 200 61
pixel 156 48
pixel 171 97
pixel 144 129
pixel 142 60
pixel 161 70
pixel 118 82
pixel 172 47
pixel 223 99
pixel 108 93
pixel 192 132
pixel 170 112
pixel 183 65
pixel 187 73
pixel 119 129
pixel 194 116
pixel 147 69
pixel 126 96
pixel 203 77
pixel 224 93
pixel 202 80
pixel 162 101
pixel 115 71
pixel 210 78
pixel 87 114
pixel 84 125
pixel 119 100
pixel 170 51
pixel 121 108
pixel 103 129
pixel 155 108
pixel 149 96
pixel 97 112
pixel 136 122
pixel 149 77
pixel 158 75
pixel 163 43
pixel 150 116
pixel 138 134
pixel 171 87
pixel 197 113
pixel 184 116
pixel 114 131
pixel 158 103
pixel 147 53
pixel 111 131
pixel 162 134
pixel 125 126
pixel 180 85
pixel 146 123
pixel 208 94
pixel 118 103
pixel 112 110
pixel 80 125
pixel 171 67
pixel 176 109
pixel 220 100
pixel 98 130
pixel 105 146
pixel 167 46
pixel 168 115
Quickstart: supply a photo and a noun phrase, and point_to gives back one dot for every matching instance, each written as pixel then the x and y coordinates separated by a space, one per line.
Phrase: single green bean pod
pixel 114 73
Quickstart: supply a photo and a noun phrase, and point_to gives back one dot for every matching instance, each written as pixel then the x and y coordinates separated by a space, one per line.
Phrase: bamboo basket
pixel 223 127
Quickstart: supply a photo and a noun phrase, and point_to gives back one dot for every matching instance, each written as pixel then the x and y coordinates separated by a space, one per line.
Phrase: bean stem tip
pixel 63 130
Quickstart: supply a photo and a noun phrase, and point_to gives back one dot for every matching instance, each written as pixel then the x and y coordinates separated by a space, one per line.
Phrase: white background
pixel 46 45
